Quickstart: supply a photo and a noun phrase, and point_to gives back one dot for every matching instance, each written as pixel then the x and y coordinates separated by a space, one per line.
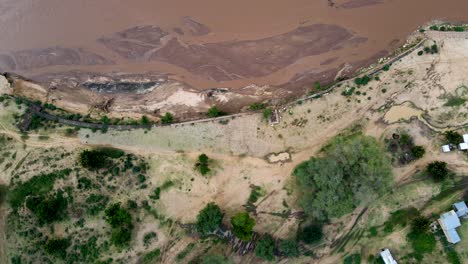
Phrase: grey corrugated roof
pixel 461 208
pixel 453 236
pixel 450 220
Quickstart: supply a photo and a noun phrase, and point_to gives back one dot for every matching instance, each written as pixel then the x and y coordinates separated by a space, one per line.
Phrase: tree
pixel 202 164
pixel 310 234
pixel 121 222
pixel 167 118
pixel 453 137
pixel 418 152
pixel 215 112
pixel 145 120
pixel 57 247
pixel 352 170
pixel 209 219
pixel 289 248
pixel 92 159
pixel 420 225
pixel 267 113
pixel 242 226
pixel 437 170
pixel 265 248
pixel 257 106
pixel 48 209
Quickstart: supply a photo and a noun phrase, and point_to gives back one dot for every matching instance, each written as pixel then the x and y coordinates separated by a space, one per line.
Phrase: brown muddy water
pixel 211 43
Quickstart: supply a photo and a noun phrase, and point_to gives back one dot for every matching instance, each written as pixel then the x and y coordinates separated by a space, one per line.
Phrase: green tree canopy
pixel 437 170
pixel 167 118
pixel 209 219
pixel 265 248
pixel 352 171
pixel 289 248
pixel 310 234
pixel 453 137
pixel 242 226
pixel 121 222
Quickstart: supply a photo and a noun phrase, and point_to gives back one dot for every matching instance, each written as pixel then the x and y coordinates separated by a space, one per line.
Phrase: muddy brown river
pixel 211 43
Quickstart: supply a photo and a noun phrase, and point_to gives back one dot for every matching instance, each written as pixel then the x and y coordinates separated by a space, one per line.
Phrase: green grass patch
pixel 454 101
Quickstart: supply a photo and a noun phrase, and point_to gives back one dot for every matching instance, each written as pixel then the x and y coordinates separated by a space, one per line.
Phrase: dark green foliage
pixel 215 259
pixel 93 159
pixel 265 248
pixel 16 260
pixel 267 113
pixel 145 120
pixel 455 101
pixel 437 170
pixel 352 259
pixel 348 91
pixel 420 225
pixel 434 27
pixel 202 164
pixel 185 252
pixel 257 106
pixel 256 193
pixel 453 257
pixel 57 247
pixel 151 256
pixel 418 152
pixel 95 203
pixel 148 238
pixel 215 112
pixel 48 209
pixel 420 53
pixel 373 231
pixel 289 248
pixel 99 158
pixel 84 183
pixel 37 185
pixel 157 194
pixel 310 234
pixel 209 219
pixel 167 118
pixel 242 226
pixel 400 217
pixel 386 67
pixel 3 193
pixel 420 237
pixel 458 29
pixel 353 170
pixel 36 122
pixel 121 222
pixel 364 80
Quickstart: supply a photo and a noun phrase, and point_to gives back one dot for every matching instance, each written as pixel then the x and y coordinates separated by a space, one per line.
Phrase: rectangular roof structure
pixel 387 257
pixel 446 148
pixel 465 138
pixel 449 221
pixel 460 208
pixel 463 146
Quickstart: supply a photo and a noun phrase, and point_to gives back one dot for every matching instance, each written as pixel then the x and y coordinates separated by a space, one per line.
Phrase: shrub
pixel 289 248
pixel 265 248
pixel 437 170
pixel 434 49
pixel 257 106
pixel 167 118
pixel 453 137
pixel 386 67
pixel 121 222
pixel 267 113
pixel 215 112
pixel 362 81
pixel 420 224
pixel 215 259
pixel 57 247
pixel 417 152
pixel 145 120
pixel 48 209
pixel 310 234
pixel 242 226
pixel 92 159
pixel 37 185
pixel 455 101
pixel 420 53
pixel 151 256
pixel 202 164
pixel 209 219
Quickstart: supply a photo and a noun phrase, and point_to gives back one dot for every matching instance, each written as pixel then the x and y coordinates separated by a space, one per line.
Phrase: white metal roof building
pixel 387 257
pixel 449 222
pixel 461 209
pixel 445 148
